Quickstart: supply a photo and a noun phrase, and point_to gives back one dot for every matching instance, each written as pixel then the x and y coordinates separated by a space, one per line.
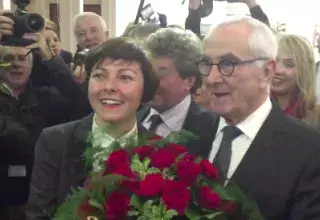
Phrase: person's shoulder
pixel 64 129
pixel 303 133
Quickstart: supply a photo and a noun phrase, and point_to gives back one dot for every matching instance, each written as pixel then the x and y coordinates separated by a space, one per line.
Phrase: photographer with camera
pixel 26 107
pixel 90 30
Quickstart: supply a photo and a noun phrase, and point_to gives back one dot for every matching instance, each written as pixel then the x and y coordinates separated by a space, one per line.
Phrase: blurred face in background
pixel 285 78
pixel 172 88
pixel 89 32
pixel 115 90
pixel 203 97
pixel 53 40
pixel 18 75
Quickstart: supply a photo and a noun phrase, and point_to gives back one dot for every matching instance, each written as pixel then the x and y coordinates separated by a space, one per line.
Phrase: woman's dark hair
pixel 120 48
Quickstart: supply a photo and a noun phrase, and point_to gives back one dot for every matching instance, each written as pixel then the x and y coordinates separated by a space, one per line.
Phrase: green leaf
pixel 170 214
pixel 181 137
pixel 248 206
pixel 191 215
pixel 68 210
pixel 147 205
pixel 213 215
pixel 155 211
pixel 146 163
pixel 168 173
pixel 106 181
pixel 135 201
pixel 133 213
pixel 153 170
pixel 221 190
pixel 95 204
pixel 137 165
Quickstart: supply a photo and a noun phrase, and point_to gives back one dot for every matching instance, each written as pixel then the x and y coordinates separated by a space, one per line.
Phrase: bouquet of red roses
pixel 157 180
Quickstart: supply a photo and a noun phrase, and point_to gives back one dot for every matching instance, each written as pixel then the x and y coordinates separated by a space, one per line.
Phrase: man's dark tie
pixel 223 157
pixel 156 120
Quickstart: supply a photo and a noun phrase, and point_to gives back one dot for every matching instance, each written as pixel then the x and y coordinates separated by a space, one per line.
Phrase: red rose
pixel 117 206
pixel 143 151
pixel 176 196
pixel 188 171
pixel 162 158
pixel 130 185
pixel 209 170
pixel 229 207
pixel 176 148
pixel 208 198
pixel 118 163
pixel 123 170
pixel 116 159
pixel 152 185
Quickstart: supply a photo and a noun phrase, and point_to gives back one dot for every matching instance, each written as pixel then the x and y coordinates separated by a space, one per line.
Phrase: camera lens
pixel 34 22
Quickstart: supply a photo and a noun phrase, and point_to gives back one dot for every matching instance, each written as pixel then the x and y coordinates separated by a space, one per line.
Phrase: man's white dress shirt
pixel 173 119
pixel 249 127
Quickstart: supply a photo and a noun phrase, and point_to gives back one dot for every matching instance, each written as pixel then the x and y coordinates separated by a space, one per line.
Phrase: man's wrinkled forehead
pixel 88 22
pixel 221 42
pixel 18 51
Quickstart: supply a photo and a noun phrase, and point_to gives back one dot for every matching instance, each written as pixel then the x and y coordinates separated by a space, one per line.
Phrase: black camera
pixel 24 22
pixel 150 16
pixel 80 57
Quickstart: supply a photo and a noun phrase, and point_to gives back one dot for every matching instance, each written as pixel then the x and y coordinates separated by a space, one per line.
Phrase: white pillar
pixel 108 12
pixel 67 10
pixel 38 6
pixel 5 4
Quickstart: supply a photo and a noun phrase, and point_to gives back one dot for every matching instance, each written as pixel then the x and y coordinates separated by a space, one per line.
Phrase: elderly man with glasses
pixel 274 158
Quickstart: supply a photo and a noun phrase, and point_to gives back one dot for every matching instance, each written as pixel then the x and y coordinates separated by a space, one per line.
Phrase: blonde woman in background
pixel 51 33
pixel 203 97
pixel 294 83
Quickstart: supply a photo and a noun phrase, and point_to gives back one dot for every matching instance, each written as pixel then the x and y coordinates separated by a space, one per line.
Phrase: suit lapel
pixel 142 113
pixel 192 124
pixel 77 147
pixel 260 152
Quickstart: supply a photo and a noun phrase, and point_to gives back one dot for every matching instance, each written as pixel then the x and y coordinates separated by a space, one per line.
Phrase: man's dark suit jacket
pixel 200 122
pixel 281 169
pixel 58 166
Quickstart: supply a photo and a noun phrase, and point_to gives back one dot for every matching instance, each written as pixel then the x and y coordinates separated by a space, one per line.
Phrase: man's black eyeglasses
pixel 225 67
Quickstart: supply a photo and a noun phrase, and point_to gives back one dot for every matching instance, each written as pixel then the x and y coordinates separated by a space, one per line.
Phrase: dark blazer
pixel 281 169
pixel 200 122
pixel 58 166
pixel 66 56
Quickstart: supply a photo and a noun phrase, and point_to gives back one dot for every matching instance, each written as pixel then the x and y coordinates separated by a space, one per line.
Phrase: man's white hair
pixel 80 16
pixel 262 41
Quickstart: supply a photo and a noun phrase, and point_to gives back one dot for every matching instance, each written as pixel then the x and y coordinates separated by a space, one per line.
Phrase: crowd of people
pixel 241 76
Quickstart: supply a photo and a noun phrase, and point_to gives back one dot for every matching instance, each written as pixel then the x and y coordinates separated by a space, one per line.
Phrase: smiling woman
pixel 120 79
pixel 294 82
